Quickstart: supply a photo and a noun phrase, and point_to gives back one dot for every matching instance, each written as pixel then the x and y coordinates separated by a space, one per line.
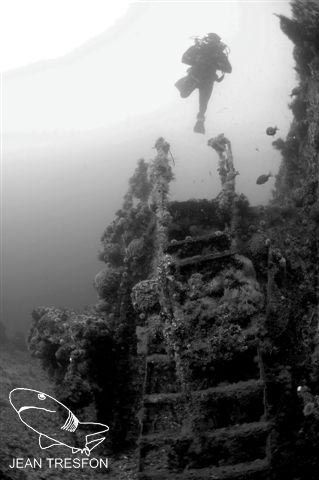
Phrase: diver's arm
pixel 223 64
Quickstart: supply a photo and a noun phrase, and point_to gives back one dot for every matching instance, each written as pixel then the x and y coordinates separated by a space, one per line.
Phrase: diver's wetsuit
pixel 205 59
pixel 205 89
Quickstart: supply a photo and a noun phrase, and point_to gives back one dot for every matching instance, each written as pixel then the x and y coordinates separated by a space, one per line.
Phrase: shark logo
pixel 54 422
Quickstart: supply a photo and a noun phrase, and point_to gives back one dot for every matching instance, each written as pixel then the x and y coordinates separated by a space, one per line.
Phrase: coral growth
pixel 91 356
pixel 226 170
pixel 145 295
pixel 284 252
pixel 213 314
pixel 71 347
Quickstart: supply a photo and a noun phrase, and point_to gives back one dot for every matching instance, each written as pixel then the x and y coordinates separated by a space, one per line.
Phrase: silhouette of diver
pixel 207 56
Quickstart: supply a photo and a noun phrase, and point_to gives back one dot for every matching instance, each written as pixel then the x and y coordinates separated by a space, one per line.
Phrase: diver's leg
pixel 205 92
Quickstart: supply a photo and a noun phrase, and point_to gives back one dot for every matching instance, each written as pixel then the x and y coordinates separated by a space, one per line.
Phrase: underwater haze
pixel 74 128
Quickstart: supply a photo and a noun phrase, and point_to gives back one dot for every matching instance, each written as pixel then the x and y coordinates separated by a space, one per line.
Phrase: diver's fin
pixel 199 127
pixel 94 443
pixel 47 442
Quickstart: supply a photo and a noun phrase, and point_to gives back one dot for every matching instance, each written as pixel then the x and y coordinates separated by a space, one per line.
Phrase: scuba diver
pixel 207 56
